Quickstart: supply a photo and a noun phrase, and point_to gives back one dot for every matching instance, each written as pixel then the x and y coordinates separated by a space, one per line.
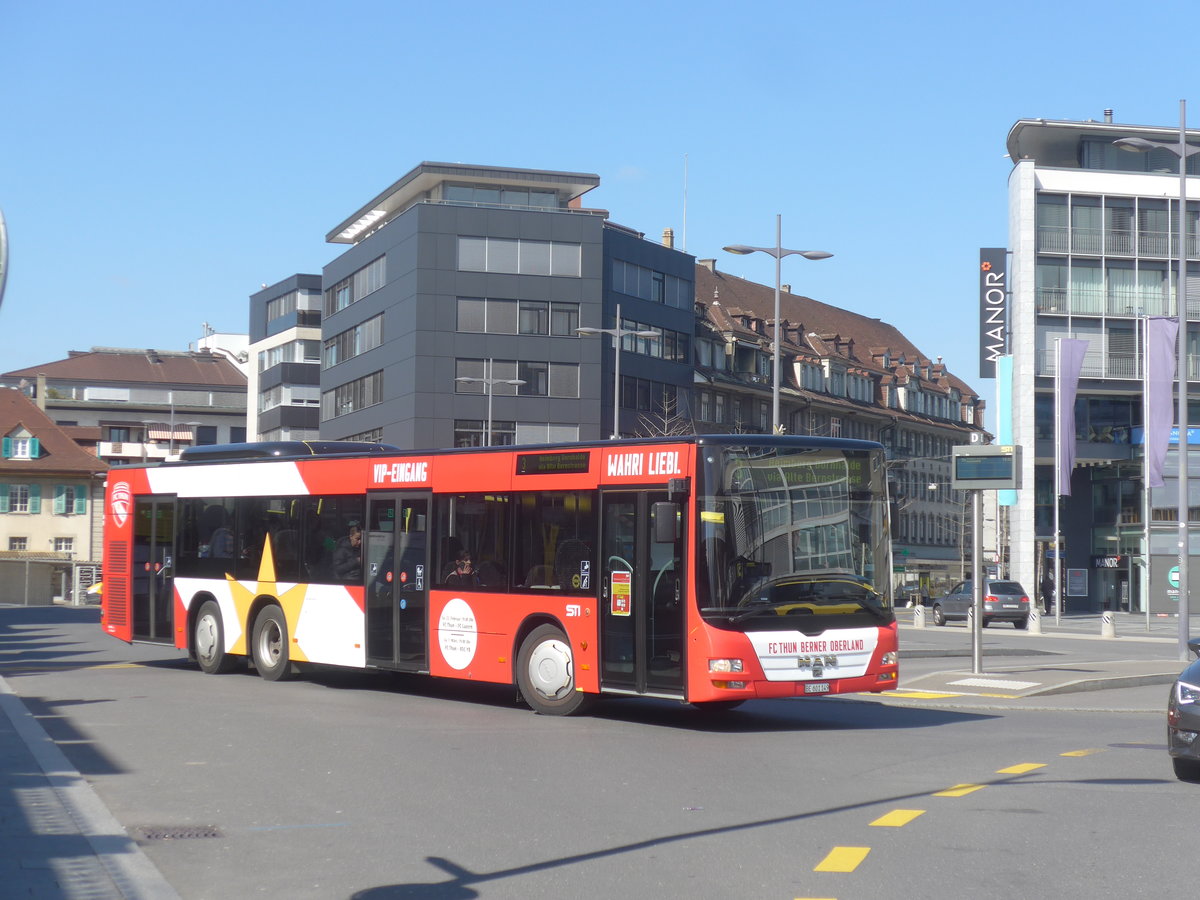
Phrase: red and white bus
pixel 705 569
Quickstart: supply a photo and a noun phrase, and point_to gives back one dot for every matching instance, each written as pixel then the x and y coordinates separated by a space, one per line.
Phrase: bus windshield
pixel 793 537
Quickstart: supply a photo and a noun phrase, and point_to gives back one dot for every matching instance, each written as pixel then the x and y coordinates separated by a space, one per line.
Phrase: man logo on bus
pixel 121 501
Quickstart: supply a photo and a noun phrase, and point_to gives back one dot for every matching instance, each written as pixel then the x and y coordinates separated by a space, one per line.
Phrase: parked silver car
pixel 1003 601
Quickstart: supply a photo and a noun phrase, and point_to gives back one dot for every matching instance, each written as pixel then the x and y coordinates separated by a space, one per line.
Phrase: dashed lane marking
pixel 897 817
pixel 843 859
pixel 1088 752
pixel 960 790
pixel 1020 769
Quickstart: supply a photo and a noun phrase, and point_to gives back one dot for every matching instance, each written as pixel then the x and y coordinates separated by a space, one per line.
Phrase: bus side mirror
pixel 666 523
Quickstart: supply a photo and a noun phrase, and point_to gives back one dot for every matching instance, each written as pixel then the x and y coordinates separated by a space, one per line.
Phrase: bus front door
pixel 641 598
pixel 153 569
pixel 396 567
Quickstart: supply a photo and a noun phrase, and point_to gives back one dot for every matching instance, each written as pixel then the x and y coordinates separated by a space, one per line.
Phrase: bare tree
pixel 666 421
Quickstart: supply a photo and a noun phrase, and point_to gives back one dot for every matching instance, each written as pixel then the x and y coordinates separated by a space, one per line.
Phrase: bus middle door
pixel 396 573
pixel 641 596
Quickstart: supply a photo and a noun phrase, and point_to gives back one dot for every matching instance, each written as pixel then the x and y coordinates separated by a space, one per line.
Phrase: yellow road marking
pixel 960 790
pixel 922 695
pixel 1020 769
pixel 843 859
pixel 897 817
pixel 1087 752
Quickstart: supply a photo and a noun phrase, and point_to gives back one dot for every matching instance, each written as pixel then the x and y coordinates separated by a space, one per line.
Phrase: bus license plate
pixel 816 687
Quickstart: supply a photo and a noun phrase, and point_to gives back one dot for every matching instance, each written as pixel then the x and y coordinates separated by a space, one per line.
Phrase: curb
pixel 133 875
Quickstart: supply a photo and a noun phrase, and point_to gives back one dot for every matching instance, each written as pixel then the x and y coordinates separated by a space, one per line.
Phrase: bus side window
pixel 554 532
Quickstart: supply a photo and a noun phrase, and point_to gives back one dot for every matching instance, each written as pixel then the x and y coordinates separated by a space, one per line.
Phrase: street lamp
pixel 1183 151
pixel 488 384
pixel 779 253
pixel 617 333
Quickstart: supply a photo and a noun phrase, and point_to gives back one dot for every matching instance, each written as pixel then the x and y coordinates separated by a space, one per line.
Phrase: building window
pixel 542 379
pixel 354 341
pixel 514 256
pixel 20 498
pixel 70 500
pixel 371 436
pixel 473 433
pixel 18 543
pixel 478 315
pixel 352 396
pixel 21 448
pixel 353 288
pixel 647 284
pixel 496 195
pixel 64 545
pixel 281 306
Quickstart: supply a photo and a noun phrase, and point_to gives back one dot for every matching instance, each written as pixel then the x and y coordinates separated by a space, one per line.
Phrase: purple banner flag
pixel 1070 362
pixel 1160 371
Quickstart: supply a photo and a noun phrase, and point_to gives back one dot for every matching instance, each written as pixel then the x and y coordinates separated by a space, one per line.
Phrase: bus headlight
pixel 724 665
pixel 891 658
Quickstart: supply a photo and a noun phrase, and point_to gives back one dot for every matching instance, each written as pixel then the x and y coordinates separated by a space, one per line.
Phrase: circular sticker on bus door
pixel 457 633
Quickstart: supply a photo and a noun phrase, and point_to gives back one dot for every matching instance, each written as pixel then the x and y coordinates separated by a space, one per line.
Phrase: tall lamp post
pixel 617 333
pixel 779 252
pixel 489 383
pixel 1183 151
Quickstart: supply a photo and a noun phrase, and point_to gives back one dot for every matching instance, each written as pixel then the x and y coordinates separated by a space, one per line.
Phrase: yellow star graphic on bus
pixel 244 595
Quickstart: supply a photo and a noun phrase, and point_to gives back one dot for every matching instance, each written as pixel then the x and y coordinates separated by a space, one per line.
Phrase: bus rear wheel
pixel 208 641
pixel 546 673
pixel 269 644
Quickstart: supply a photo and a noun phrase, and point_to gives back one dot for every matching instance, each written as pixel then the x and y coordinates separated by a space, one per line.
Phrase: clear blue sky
pixel 160 161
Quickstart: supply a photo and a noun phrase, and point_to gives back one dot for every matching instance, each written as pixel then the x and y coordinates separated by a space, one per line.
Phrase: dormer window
pixel 21 448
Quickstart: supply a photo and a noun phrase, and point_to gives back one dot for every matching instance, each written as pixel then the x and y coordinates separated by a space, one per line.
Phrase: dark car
pixel 1003 601
pixel 1183 720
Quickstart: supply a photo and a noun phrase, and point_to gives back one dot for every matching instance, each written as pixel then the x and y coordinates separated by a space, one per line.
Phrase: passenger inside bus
pixel 347 555
pixel 464 573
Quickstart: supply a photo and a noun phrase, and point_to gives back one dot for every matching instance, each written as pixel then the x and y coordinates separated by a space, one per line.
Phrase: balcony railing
pixel 1114 242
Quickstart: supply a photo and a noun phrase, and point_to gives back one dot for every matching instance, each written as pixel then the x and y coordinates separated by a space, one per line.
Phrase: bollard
pixel 1035 620
pixel 1108 626
pixel 919 616
pixel 971 617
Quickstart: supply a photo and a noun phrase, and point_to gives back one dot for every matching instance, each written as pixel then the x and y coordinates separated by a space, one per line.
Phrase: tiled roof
pixel 109 366
pixel 827 330
pixel 59 454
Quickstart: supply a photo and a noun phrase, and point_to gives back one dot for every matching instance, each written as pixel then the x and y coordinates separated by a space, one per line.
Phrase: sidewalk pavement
pixel 1052 673
pixel 57 839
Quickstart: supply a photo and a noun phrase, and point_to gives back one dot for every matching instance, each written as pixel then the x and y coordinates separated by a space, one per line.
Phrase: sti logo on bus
pixel 633 465
pixel 122 500
pixel 401 472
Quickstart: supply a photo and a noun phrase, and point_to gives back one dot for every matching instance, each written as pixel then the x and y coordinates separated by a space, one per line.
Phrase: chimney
pixel 1108 116
pixel 786 288
pixel 41 392
pixel 669 238
pixel 710 264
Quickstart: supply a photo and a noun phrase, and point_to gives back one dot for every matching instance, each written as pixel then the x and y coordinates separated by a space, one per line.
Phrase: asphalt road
pixel 348 784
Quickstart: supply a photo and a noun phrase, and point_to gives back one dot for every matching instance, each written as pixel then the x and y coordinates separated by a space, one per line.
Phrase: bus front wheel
pixel 269 644
pixel 209 641
pixel 546 673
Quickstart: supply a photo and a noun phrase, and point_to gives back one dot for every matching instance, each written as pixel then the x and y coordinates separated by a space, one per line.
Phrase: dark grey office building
pixel 451 319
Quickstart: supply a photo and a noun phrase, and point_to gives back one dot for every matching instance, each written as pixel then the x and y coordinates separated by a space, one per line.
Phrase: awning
pixel 164 434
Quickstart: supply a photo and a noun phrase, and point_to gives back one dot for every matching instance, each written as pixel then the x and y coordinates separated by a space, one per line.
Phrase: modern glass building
pixel 1094 241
